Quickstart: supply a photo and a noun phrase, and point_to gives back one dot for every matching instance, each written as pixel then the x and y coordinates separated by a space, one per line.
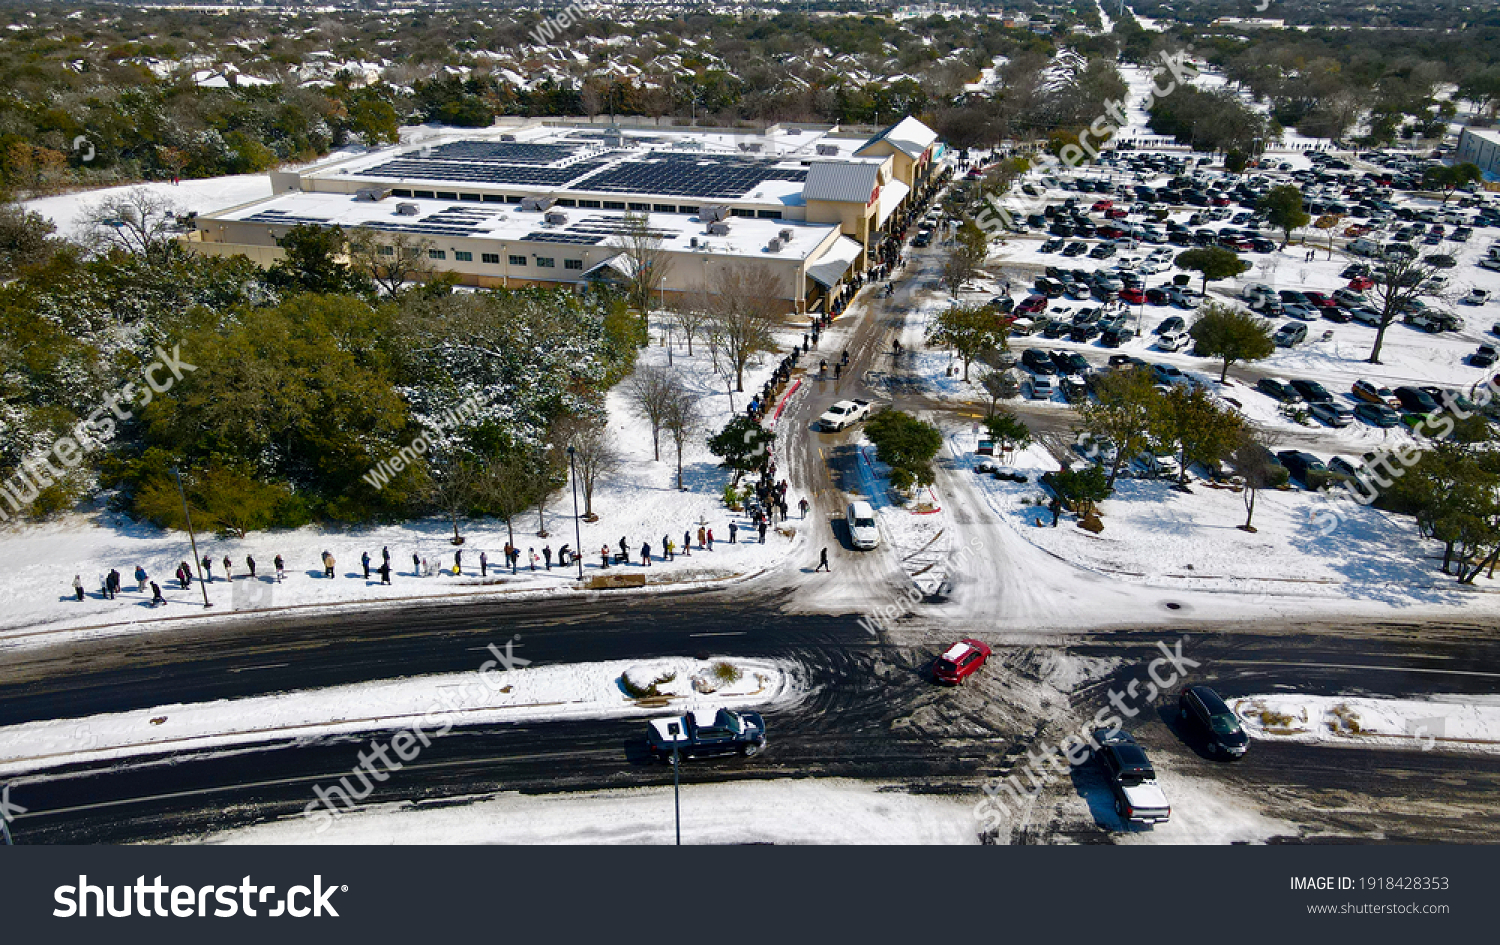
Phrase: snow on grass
pixel 639 501
pixel 433 703
pixel 205 196
pixel 1440 722
pixel 801 811
pixel 1155 535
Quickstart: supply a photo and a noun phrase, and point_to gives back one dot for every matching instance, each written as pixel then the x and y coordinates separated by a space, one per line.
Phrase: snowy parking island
pixel 1441 723
pixel 433 704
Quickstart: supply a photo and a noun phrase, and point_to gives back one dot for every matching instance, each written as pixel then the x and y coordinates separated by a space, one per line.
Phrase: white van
pixel 1364 247
pixel 863 532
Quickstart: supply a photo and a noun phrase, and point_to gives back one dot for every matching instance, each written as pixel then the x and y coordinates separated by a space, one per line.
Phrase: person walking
pixel 668 548
pixel 385 554
pixel 762 531
pixel 710 539
pixel 184 575
pixel 458 561
pixel 228 569
pixel 702 538
pixel 416 565
pixel 547 553
pixel 646 555
pixel 604 557
pixel 156 597
pixel 250 563
pixel 208 569
pixel 385 572
pixel 78 586
pixel 113 580
pixel 687 545
pixel 823 562
pixel 104 587
pixel 802 507
pixel 484 564
pixel 364 559
pixel 280 569
pixel 624 550
pixel 532 557
pixel 140 579
pixel 328 564
pixel 426 571
pixel 733 529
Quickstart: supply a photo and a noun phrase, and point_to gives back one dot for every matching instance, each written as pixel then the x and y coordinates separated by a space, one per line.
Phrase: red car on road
pixel 960 660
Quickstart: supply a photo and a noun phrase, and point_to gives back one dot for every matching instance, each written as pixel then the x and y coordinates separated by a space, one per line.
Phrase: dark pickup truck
pixel 706 732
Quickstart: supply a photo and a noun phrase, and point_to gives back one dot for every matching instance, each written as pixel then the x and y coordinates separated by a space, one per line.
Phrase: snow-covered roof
pixel 908 136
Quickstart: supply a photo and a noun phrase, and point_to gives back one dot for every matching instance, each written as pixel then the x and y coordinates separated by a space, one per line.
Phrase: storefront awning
pixel 832 265
pixel 615 268
pixel 890 198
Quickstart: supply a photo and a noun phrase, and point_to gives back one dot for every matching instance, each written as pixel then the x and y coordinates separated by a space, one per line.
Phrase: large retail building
pixel 540 203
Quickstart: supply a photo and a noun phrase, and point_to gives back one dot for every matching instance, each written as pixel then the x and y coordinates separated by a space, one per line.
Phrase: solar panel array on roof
pixel 503 152
pixel 558 236
pixel 688 175
pixel 613 226
pixel 481 172
pixel 435 225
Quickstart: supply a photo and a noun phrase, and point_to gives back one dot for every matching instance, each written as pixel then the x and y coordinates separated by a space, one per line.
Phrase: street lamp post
pixel 197 562
pixel 674 729
pixel 577 529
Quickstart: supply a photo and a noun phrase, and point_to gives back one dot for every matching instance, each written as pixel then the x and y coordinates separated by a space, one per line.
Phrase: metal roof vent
pixel 557 216
pixel 408 209
pixel 828 150
pixel 718 229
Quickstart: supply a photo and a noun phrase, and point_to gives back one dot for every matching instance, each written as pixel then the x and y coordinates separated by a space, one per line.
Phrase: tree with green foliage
pixel 1126 411
pixel 970 330
pixel 313 261
pixel 1008 432
pixel 1230 335
pixel 1082 489
pixel 999 384
pixel 1282 206
pixel 1235 161
pixel 1450 177
pixel 742 446
pixel 1203 429
pixel 224 498
pixel 907 445
pixel 1212 263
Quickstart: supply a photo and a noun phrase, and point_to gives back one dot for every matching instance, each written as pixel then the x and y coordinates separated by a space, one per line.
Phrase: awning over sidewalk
pixel 891 196
pixel 618 267
pixel 832 265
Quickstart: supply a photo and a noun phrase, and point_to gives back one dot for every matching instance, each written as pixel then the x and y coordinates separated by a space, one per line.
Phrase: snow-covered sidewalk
pixel 491 694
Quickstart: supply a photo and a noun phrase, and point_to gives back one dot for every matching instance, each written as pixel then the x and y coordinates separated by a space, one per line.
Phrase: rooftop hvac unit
pixel 695 242
pixel 557 216
pixel 537 204
pixel 371 194
pixel 713 212
pixel 408 209
pixel 718 229
pixel 774 246
pixel 507 137
pixel 794 131
pixel 753 147
pixel 785 234
pixel 828 150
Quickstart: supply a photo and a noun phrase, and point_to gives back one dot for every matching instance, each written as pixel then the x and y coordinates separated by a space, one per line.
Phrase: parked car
pixel 1132 296
pixel 1070 362
pixel 1279 389
pixel 1203 707
pixel 704 732
pixel 1416 400
pixel 959 661
pixel 1373 393
pixel 1042 387
pixel 864 534
pixel 1038 360
pixel 1168 374
pixel 1172 323
pixel 1331 414
pixel 1377 415
pixel 1476 297
pixel 1299 464
pixel 1341 466
pixel 1312 392
pixel 1132 779
pixel 1115 336
pixel 1052 245
pixel 1299 311
pixel 1173 340
pixel 1158 296
pixel 1290 334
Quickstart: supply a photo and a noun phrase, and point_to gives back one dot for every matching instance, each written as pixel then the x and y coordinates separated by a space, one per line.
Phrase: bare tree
pixel 1257 466
pixel 390 260
pixel 691 317
pixel 1400 281
pixel 455 488
pixel 682 421
pixel 648 260
pixel 594 456
pixel 138 221
pixel 744 311
pixel 505 487
pixel 649 391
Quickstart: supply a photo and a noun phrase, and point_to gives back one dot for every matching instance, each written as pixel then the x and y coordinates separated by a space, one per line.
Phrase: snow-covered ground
pixel 1437 723
pixel 491 694
pixel 803 811
pixel 204 196
pixel 639 502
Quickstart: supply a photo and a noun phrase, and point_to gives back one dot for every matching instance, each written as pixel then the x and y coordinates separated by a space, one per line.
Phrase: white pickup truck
pixel 843 414
pixel 1138 798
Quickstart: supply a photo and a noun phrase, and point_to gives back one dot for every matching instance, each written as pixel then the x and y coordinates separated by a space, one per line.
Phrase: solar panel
pixel 561 237
pixel 688 175
pixel 481 172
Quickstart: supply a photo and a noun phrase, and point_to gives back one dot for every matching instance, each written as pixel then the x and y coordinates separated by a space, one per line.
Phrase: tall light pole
pixel 197 562
pixel 577 529
pixel 674 729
